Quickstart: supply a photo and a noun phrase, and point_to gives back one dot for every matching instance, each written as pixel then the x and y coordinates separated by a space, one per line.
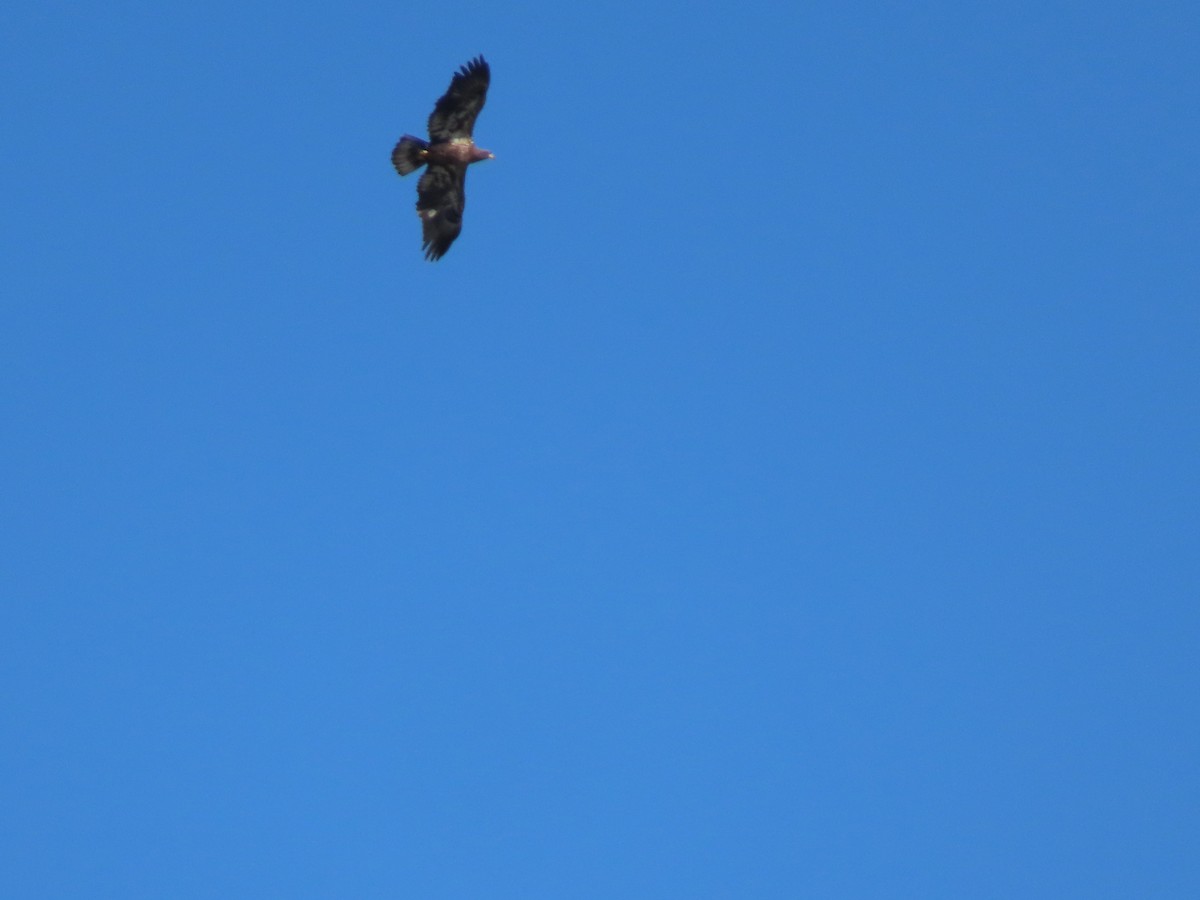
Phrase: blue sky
pixel 785 487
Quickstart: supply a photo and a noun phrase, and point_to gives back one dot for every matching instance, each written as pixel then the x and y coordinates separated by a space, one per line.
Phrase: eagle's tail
pixel 409 154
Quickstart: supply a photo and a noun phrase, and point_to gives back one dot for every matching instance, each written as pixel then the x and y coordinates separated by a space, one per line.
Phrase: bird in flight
pixel 441 195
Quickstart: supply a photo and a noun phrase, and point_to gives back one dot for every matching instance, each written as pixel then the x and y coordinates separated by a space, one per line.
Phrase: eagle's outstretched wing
pixel 454 115
pixel 441 199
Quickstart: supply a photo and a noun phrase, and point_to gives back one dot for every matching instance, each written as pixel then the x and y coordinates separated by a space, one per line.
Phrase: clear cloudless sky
pixel 785 487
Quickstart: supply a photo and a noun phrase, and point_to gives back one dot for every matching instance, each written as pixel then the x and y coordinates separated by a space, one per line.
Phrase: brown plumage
pixel 441 195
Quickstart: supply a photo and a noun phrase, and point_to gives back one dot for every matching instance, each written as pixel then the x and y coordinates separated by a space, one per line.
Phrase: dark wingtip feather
pixel 475 66
pixel 435 250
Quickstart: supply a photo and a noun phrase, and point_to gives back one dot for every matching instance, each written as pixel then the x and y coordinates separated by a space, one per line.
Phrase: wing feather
pixel 454 115
pixel 441 199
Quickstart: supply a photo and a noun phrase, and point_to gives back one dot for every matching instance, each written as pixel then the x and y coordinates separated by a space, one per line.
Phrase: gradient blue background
pixel 786 486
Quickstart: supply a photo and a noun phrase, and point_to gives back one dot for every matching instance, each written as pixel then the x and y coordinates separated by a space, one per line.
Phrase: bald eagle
pixel 441 196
